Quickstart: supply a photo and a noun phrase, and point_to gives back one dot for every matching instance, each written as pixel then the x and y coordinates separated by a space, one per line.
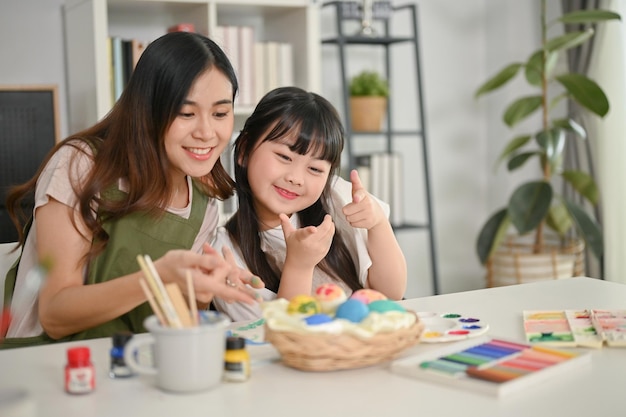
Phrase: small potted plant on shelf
pixel 368 101
pixel 535 205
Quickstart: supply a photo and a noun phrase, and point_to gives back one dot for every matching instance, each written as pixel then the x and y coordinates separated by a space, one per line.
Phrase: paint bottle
pixel 118 368
pixel 236 360
pixel 80 375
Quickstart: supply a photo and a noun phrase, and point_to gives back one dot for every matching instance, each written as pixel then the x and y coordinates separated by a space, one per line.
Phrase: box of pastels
pixel 329 331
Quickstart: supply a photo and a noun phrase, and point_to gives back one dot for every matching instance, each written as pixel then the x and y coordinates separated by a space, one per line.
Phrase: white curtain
pixel 608 68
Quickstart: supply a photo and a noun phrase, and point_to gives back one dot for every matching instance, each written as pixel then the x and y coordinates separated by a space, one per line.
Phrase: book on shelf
pixel 259 75
pixel 285 64
pixel 383 178
pixel 271 65
pixel 247 66
pixel 117 54
pixel 138 46
pixel 584 328
pixel 260 66
pixel 123 55
pixel 492 366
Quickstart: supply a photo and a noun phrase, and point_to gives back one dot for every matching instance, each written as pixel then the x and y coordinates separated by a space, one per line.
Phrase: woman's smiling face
pixel 203 128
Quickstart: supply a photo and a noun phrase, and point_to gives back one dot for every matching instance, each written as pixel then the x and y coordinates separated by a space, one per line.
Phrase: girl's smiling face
pixel 283 181
pixel 203 128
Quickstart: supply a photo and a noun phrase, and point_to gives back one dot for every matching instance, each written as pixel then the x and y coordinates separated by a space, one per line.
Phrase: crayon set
pixel 492 366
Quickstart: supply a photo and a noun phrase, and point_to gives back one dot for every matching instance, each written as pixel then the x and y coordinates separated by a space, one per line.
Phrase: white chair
pixel 6 261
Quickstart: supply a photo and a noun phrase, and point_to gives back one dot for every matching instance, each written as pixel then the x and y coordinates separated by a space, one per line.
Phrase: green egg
pixel 383 306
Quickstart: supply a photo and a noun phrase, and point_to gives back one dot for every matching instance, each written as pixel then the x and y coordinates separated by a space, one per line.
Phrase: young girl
pixel 298 225
pixel 143 180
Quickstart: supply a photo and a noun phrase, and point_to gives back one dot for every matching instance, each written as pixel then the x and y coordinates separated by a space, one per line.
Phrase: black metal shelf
pixel 390 132
pixel 386 40
pixel 364 40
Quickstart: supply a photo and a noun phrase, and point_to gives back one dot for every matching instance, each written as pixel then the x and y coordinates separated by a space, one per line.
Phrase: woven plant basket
pixel 368 113
pixel 517 261
pixel 331 352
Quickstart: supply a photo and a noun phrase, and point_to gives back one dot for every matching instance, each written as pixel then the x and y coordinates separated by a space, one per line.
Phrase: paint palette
pixel 490 366
pixel 450 327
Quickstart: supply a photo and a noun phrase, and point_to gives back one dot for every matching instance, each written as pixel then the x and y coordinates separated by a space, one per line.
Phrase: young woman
pixel 298 225
pixel 143 180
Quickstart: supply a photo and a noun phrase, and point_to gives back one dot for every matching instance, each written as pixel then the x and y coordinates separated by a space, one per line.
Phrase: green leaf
pixel 552 141
pixel 589 16
pixel 534 66
pixel 498 80
pixel 558 219
pixel 557 99
pixel 513 145
pixel 529 205
pixel 585 92
pixel 587 228
pixel 569 40
pixel 519 160
pixel 520 109
pixel 492 234
pixel 583 183
pixel 572 126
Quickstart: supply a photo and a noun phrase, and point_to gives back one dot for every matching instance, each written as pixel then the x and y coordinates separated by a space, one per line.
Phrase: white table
pixel 275 390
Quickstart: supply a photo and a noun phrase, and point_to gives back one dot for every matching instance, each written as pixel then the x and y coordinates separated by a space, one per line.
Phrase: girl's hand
pixel 363 211
pixel 309 245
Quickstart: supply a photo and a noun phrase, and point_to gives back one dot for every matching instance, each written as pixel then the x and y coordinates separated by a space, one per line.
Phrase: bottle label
pixel 236 371
pixel 79 380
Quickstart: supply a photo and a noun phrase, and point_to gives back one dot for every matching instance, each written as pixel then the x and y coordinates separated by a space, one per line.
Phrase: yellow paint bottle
pixel 236 360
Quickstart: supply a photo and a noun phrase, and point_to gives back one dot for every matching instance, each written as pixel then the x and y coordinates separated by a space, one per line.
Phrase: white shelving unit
pixel 89 23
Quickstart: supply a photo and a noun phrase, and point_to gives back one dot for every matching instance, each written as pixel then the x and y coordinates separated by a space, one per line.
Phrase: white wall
pixel 32 46
pixel 463 42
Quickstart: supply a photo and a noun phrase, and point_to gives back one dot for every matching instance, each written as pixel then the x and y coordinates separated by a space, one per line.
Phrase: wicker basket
pixel 330 352
pixel 518 261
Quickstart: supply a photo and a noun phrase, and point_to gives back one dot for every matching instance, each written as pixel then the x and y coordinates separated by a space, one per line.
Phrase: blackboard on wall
pixel 29 128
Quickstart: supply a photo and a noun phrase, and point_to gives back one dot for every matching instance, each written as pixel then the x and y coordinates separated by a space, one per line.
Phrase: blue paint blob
pixel 318 319
pixel 352 310
pixel 469 320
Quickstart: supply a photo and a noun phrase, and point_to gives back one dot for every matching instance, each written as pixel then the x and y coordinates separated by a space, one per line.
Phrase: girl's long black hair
pixel 290 111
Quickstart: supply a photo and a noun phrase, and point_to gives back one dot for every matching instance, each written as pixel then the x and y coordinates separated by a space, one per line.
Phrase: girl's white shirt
pixel 273 245
pixel 55 182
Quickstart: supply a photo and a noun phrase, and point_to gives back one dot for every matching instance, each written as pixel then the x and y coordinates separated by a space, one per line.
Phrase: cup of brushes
pixel 188 349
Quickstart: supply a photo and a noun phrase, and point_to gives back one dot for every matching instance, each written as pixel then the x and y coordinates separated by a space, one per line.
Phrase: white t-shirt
pixel 55 182
pixel 273 245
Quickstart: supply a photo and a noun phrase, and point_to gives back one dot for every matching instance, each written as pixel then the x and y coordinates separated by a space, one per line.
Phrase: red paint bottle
pixel 80 375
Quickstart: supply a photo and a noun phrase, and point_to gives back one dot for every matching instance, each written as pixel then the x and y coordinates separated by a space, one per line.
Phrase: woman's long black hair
pixel 314 122
pixel 129 141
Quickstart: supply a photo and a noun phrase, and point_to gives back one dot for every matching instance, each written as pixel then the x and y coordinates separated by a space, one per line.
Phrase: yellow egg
pixel 303 304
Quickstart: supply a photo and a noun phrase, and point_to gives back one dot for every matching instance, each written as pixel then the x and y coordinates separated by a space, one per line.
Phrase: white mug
pixel 190 359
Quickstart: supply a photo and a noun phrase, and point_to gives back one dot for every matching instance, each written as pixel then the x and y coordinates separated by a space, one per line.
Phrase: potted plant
pixel 368 101
pixel 535 205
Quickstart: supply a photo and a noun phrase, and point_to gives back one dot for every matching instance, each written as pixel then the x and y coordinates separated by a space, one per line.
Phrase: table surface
pixel 276 390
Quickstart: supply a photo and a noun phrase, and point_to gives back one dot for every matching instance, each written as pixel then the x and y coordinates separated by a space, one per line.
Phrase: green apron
pixel 130 236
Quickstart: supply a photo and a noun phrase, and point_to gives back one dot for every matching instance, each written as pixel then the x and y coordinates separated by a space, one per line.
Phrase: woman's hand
pixel 211 275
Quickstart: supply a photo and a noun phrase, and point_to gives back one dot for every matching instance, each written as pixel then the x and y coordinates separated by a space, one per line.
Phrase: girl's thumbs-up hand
pixel 363 211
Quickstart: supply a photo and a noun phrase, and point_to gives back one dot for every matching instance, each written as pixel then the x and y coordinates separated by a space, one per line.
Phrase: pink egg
pixel 330 296
pixel 367 295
